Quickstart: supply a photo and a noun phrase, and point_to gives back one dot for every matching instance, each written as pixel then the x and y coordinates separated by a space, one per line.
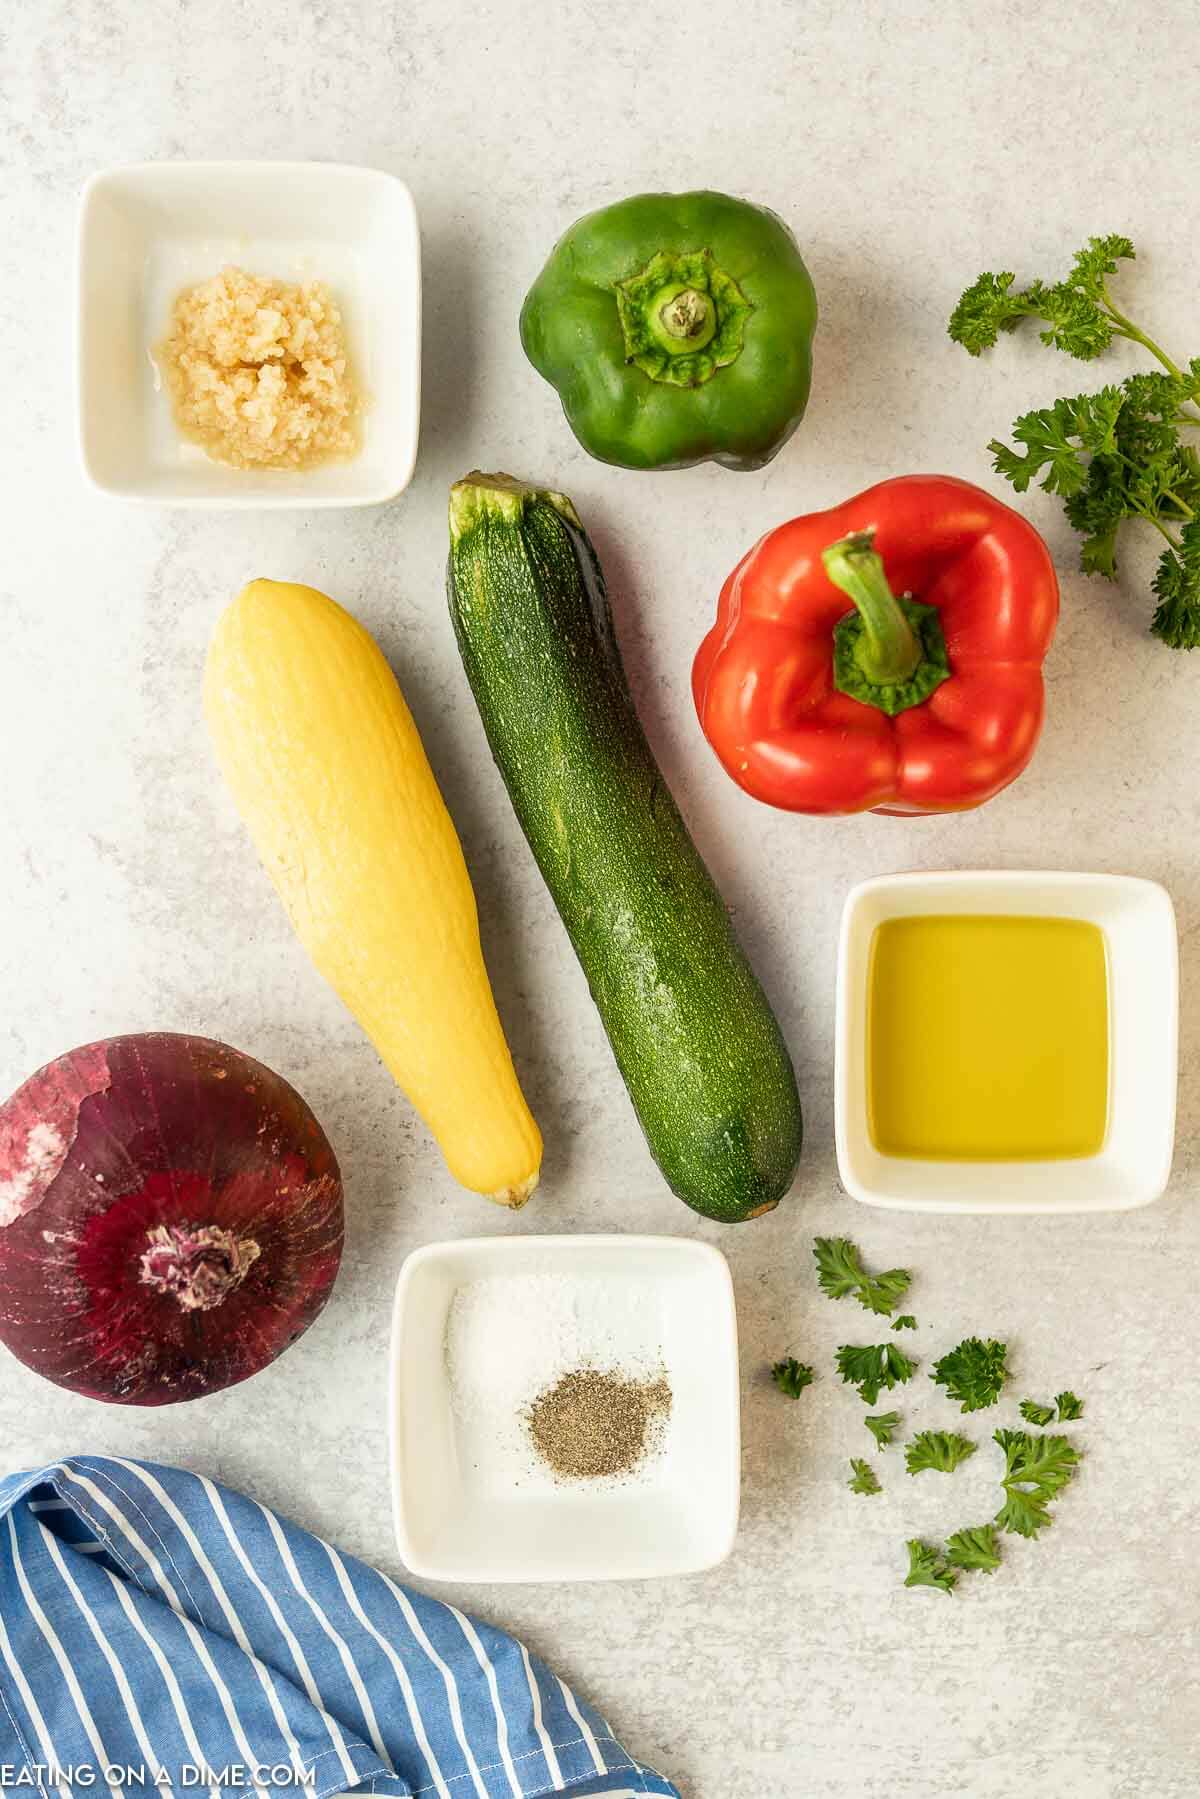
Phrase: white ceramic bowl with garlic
pixel 150 231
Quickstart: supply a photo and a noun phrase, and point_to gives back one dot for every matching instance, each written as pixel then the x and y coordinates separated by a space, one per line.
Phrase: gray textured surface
pixel 909 145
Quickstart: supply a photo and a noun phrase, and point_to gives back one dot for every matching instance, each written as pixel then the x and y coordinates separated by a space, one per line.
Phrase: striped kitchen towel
pixel 162 1635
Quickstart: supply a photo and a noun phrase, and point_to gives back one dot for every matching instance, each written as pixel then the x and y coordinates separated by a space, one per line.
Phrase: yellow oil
pixel 987 1038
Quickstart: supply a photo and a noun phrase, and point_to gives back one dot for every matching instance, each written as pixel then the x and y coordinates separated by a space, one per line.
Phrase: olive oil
pixel 987 1038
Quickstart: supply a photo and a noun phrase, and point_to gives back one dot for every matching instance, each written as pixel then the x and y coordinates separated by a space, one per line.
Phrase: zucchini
pixel 696 1042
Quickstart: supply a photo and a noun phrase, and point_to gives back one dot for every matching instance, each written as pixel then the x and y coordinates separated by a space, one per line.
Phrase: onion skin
pixel 170 1218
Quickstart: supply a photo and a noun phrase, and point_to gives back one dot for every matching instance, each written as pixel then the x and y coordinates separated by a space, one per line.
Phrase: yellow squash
pixel 329 773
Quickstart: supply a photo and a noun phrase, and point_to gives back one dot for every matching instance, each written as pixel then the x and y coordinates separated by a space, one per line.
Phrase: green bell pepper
pixel 677 329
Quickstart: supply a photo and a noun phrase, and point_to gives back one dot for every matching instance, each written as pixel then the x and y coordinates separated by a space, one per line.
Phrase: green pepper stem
pixel 686 313
pixel 888 650
pixel 681 319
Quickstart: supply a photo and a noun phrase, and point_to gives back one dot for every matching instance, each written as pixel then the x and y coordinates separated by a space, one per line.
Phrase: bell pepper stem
pixel 682 317
pixel 687 314
pixel 888 650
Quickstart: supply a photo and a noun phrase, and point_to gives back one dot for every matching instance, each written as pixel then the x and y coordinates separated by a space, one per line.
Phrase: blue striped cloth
pixel 160 1634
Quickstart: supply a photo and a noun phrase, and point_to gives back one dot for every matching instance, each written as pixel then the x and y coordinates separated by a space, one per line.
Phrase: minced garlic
pixel 258 372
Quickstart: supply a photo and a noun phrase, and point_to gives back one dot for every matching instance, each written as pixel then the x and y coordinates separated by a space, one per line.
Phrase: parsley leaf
pixel 973 1373
pixel 838 1268
pixel 1058 440
pixel 974 1548
pixel 939 1450
pixel 1159 395
pixel 881 1426
pixel 927 1569
pixel 791 1376
pixel 1098 260
pixel 1022 1512
pixel 840 1271
pixel 1074 321
pixel 1177 588
pixel 1097 510
pixel 988 307
pixel 1035 1413
pixel 905 1322
pixel 873 1367
pixel 864 1479
pixel 1035 1472
pixel 1068 1406
pixel 882 1293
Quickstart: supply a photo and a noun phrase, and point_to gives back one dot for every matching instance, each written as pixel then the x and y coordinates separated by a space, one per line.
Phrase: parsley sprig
pixel 1114 455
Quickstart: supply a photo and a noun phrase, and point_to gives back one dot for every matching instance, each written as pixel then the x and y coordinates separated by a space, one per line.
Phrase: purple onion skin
pixel 170 1218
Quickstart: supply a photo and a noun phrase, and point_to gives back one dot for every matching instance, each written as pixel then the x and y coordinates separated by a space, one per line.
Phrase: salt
pixel 509 1339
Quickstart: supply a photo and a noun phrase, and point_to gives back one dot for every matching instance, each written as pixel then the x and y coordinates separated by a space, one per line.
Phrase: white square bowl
pixel 679 1517
pixel 148 230
pixel 1134 1163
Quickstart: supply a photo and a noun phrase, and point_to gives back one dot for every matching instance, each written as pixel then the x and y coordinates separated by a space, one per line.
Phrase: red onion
pixel 170 1218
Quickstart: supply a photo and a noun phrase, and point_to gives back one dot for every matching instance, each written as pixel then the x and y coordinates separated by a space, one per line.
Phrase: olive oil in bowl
pixel 988 1038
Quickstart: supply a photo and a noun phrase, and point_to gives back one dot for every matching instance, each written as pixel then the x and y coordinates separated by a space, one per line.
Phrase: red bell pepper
pixel 925 696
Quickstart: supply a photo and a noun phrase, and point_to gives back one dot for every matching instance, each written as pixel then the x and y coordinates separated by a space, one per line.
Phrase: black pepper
pixel 590 1423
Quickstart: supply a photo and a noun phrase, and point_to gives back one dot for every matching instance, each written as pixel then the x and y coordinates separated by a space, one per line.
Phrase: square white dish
pixel 678 1516
pixel 148 230
pixel 1134 1163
